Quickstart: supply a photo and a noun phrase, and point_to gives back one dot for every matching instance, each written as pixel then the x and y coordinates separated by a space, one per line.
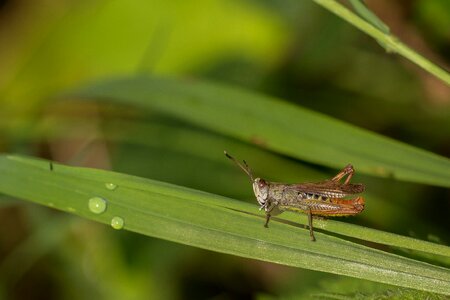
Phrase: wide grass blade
pixel 156 150
pixel 208 221
pixel 276 125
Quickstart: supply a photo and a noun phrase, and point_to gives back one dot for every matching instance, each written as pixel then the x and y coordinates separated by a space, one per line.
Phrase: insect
pixel 326 198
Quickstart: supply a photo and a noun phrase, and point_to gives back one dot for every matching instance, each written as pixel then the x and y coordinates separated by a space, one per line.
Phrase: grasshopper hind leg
pixel 347 171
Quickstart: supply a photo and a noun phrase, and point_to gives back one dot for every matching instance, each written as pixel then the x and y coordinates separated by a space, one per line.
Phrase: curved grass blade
pixel 208 221
pixel 276 125
pixel 389 42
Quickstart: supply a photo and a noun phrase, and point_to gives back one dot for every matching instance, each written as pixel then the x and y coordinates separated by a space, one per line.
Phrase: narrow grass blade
pixel 387 40
pixel 361 8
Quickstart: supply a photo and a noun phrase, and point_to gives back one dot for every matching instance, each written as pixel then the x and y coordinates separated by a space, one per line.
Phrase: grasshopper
pixel 321 199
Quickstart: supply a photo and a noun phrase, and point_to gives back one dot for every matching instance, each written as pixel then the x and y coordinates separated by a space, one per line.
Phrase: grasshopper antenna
pixel 244 166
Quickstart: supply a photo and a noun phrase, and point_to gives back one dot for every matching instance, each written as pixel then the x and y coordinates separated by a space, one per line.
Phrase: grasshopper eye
pixel 262 183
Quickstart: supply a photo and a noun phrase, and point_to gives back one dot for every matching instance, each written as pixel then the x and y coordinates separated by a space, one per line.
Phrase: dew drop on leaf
pixel 111 186
pixel 117 223
pixel 97 205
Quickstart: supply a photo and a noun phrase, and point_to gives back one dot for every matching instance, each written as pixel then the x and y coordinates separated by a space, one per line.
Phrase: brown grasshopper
pixel 324 198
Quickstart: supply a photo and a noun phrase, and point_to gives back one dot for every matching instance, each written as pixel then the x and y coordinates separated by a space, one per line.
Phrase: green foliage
pixel 391 43
pixel 275 125
pixel 208 221
pixel 175 130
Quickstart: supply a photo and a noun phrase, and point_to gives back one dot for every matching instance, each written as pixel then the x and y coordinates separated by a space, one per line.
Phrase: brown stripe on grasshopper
pixel 324 198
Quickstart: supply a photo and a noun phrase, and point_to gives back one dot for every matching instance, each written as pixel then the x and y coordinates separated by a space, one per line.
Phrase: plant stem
pixel 391 43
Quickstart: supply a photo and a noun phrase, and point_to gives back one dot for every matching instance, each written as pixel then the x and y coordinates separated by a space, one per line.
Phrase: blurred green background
pixel 294 50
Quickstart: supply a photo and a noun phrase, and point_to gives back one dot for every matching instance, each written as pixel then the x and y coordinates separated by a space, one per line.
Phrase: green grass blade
pixel 387 40
pixel 361 8
pixel 276 125
pixel 208 221
pixel 157 150
pixel 373 235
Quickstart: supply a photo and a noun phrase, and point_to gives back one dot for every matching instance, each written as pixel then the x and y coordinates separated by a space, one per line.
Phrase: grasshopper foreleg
pixel 267 220
pixel 271 209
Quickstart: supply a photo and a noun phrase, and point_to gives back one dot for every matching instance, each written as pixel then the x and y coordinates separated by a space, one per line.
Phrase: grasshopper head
pixel 261 190
pixel 260 186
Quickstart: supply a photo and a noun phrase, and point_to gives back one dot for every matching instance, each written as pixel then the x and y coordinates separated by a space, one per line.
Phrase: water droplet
pixel 71 209
pixel 97 205
pixel 117 223
pixel 111 186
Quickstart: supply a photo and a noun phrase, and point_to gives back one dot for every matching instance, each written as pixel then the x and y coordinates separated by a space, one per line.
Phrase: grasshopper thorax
pixel 261 190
